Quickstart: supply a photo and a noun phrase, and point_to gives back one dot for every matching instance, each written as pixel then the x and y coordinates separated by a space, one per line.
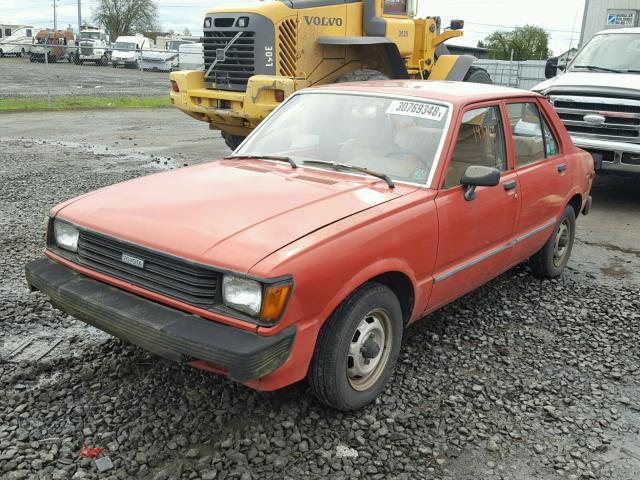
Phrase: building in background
pixel 604 14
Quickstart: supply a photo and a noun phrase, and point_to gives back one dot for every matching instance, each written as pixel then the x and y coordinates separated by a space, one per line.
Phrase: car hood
pixel 591 82
pixel 230 213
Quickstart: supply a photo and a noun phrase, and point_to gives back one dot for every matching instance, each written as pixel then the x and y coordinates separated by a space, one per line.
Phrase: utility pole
pixel 79 17
pixel 55 17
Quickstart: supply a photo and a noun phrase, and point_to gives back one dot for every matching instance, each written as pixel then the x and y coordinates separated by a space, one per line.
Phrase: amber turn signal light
pixel 174 86
pixel 274 300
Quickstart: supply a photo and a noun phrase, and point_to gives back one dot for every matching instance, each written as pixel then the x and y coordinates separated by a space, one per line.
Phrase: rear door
pixel 542 171
pixel 475 236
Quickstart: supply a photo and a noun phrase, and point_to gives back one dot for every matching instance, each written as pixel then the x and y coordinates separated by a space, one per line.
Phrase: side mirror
pixel 456 24
pixel 551 68
pixel 478 176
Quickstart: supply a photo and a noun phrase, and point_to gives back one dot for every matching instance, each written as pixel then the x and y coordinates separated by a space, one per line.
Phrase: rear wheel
pixel 550 261
pixel 232 141
pixel 477 75
pixel 363 75
pixel 357 348
pixel 21 54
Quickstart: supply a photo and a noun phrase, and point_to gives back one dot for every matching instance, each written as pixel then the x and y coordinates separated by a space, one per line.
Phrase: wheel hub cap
pixel 369 350
pixel 561 243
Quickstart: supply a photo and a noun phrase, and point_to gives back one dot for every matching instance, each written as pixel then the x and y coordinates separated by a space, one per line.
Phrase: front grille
pixel 234 71
pixel 621 116
pixel 288 39
pixel 170 276
pixel 631 159
pixel 86 51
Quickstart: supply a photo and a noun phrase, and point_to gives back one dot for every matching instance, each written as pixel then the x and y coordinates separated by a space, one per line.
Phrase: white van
pixel 127 50
pixel 20 42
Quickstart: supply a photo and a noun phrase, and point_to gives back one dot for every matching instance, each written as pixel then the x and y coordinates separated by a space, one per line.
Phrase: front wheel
pixel 363 75
pixel 477 75
pixel 232 141
pixel 357 348
pixel 550 261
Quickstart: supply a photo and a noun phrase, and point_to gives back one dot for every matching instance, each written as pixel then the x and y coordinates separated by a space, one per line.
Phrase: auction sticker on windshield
pixel 428 111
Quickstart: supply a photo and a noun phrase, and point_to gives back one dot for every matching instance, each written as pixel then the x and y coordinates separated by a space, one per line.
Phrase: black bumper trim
pixel 165 331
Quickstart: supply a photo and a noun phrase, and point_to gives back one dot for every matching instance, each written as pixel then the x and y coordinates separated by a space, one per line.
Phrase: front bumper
pixel 613 156
pixel 167 332
pixel 233 112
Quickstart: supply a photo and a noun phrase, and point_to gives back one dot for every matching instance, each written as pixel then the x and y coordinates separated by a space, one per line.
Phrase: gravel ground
pixel 522 379
pixel 21 78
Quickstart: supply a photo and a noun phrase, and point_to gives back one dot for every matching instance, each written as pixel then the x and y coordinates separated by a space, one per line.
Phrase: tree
pixel 124 17
pixel 186 32
pixel 527 43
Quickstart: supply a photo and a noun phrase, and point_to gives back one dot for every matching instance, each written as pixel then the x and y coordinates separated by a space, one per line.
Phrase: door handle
pixel 561 167
pixel 510 185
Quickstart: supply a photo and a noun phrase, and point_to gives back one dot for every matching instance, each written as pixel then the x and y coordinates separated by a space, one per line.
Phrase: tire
pixel 364 75
pixel 21 54
pixel 232 141
pixel 550 261
pixel 477 75
pixel 103 61
pixel 114 65
pixel 338 378
pixel 1 53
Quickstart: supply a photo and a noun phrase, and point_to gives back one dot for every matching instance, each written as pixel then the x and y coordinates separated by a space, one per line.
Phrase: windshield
pixel 90 35
pixel 615 51
pixel 125 46
pixel 175 45
pixel 393 136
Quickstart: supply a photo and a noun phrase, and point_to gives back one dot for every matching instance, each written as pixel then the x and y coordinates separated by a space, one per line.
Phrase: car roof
pixel 457 93
pixel 619 31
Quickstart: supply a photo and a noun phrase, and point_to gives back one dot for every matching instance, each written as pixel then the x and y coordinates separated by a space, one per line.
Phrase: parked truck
pixel 52 45
pixel 257 54
pixel 597 96
pixel 95 46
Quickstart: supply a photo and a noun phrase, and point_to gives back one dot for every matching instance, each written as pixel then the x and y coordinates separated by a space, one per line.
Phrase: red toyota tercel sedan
pixel 352 211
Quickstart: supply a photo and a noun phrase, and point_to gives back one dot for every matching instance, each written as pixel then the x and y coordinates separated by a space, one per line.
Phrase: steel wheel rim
pixel 362 372
pixel 562 242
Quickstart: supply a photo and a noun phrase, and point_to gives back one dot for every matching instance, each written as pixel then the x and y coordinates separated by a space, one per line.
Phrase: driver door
pixel 475 236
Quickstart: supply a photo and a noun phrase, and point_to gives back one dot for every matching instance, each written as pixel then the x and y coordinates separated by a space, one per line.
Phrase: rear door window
pixel 528 142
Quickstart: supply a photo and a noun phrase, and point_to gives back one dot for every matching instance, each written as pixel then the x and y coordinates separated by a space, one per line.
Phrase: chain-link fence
pixel 525 75
pixel 50 72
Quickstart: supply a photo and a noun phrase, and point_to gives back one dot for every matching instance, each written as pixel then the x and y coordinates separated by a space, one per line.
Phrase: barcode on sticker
pixel 417 109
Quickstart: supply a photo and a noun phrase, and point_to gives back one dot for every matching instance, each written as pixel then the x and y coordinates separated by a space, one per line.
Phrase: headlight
pixel 242 294
pixel 207 22
pixel 266 302
pixel 66 235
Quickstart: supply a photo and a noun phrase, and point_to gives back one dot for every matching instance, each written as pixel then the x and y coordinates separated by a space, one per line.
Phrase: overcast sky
pixel 561 18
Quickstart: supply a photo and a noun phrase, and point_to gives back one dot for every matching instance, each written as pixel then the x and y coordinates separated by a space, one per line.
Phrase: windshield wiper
pixel 596 68
pixel 337 166
pixel 279 158
pixel 633 70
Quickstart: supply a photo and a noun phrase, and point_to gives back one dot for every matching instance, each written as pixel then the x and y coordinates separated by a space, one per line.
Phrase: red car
pixel 351 212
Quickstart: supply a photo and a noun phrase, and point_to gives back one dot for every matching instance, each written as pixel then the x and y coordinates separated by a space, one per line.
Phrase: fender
pixel 390 49
pixel 372 270
pixel 451 67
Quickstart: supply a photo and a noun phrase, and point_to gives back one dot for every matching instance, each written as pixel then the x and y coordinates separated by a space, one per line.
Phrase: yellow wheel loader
pixel 258 53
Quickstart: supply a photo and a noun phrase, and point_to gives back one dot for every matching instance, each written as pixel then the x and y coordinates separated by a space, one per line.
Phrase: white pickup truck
pixel 598 98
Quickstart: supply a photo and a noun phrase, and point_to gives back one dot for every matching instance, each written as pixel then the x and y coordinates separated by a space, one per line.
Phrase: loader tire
pixel 362 76
pixel 232 141
pixel 477 75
